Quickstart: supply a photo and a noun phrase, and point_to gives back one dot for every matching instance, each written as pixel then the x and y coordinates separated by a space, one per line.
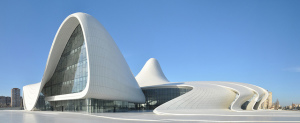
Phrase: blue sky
pixel 255 42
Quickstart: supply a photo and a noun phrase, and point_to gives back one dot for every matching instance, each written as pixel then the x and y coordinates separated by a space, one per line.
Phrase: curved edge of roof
pixel 191 100
pixel 96 39
pixel 151 74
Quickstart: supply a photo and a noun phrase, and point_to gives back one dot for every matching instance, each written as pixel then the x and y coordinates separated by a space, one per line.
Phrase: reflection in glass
pixel 157 96
pixel 70 75
pixel 154 98
pixel 88 105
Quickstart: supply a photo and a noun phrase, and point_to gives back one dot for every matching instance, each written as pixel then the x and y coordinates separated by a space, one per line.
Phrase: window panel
pixel 69 68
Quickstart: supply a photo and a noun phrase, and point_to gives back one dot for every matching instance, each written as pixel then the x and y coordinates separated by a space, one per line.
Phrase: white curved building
pixel 197 96
pixel 86 72
pixel 84 63
pixel 151 74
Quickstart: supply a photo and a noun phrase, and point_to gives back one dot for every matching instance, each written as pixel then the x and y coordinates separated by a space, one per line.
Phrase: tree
pixel 276 105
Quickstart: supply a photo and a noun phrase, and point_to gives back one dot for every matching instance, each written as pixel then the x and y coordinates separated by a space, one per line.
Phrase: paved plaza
pixel 20 116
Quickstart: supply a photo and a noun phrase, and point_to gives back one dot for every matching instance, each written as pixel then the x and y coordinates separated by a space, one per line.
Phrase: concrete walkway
pixel 21 116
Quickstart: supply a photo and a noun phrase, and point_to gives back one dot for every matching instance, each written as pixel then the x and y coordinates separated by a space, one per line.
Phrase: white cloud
pixel 297 69
pixel 293 69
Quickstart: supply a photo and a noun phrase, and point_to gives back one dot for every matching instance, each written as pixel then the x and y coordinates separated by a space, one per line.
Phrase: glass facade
pixel 70 76
pixel 154 98
pixel 157 96
pixel 71 72
pixel 244 105
pixel 89 105
pixel 99 106
pixel 41 104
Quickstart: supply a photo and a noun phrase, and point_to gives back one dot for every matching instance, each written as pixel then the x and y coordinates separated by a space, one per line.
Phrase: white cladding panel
pixel 210 96
pixel 30 95
pixel 151 74
pixel 109 75
pixel 205 95
pixel 110 78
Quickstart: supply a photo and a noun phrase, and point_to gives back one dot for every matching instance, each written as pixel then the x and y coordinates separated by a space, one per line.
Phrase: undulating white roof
pixel 151 74
pixel 109 76
pixel 205 95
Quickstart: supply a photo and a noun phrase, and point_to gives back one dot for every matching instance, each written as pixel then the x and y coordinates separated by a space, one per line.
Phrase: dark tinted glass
pixel 71 72
pixel 157 96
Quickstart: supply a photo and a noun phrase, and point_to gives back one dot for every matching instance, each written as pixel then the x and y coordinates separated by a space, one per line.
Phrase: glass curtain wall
pixel 99 106
pixel 71 72
pixel 41 104
pixel 89 105
pixel 157 96
pixel 154 98
pixel 244 105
